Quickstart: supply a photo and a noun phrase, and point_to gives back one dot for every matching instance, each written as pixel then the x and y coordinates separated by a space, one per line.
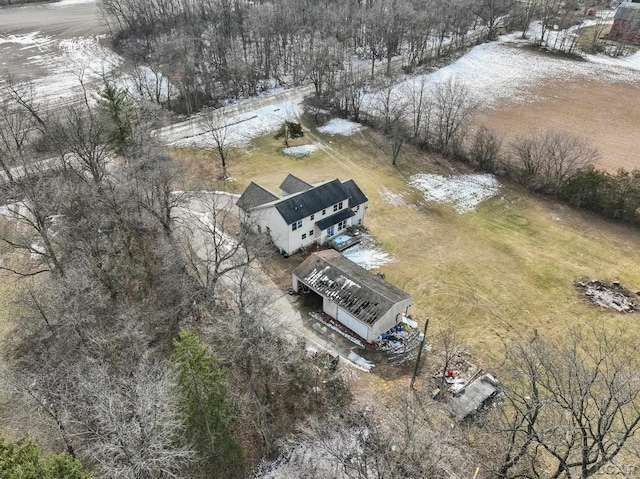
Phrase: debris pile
pixel 465 386
pixel 400 343
pixel 608 295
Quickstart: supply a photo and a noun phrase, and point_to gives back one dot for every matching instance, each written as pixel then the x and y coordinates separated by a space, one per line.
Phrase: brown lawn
pixel 495 275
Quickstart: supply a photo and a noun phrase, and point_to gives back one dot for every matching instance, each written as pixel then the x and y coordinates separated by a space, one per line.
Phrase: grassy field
pixel 495 275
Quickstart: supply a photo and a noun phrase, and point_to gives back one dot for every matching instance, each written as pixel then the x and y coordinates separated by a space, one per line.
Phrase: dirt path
pixel 606 114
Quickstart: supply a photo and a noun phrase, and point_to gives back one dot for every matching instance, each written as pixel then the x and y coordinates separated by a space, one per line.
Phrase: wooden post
pixel 424 337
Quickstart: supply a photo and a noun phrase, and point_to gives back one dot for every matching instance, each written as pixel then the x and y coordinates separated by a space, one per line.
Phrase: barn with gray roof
pixel 360 300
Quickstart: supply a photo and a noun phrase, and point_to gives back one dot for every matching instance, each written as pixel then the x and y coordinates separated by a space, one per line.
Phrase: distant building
pixel 355 297
pixel 306 214
pixel 626 23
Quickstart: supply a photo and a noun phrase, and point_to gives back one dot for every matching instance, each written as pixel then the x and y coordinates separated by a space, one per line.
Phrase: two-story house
pixel 305 214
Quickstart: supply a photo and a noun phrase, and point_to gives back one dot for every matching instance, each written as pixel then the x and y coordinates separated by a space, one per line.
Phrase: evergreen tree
pixel 203 401
pixel 22 460
pixel 120 114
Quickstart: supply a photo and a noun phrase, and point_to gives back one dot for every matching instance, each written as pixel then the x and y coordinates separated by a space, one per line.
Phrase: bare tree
pixel 81 138
pixel 485 150
pixel 570 408
pixel 214 241
pixel 449 346
pixel 352 88
pixel 390 106
pixel 454 105
pixel 132 425
pixel 419 103
pixel 493 13
pixel 216 123
pixel 547 161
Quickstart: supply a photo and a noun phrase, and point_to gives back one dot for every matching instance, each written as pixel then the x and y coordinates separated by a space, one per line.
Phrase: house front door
pixel 330 231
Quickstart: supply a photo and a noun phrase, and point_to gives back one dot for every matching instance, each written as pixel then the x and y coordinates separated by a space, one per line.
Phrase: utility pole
pixel 422 339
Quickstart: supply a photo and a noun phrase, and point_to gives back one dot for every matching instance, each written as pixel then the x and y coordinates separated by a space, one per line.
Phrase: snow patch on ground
pixel 360 361
pixel 464 192
pixel 28 40
pixel 394 199
pixel 64 3
pixel 340 126
pixel 368 257
pixel 241 128
pixel 300 151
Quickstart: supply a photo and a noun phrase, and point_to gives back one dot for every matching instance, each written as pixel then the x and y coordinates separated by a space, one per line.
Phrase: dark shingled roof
pixel 343 214
pixel 293 184
pixel 311 201
pixel 254 195
pixel 357 196
pixel 354 289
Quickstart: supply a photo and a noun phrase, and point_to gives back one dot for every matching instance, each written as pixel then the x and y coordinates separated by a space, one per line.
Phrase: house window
pixel 311 234
pixel 342 225
pixel 296 225
pixel 304 236
pixel 324 212
pixel 337 207
pixel 311 218
pixel 357 208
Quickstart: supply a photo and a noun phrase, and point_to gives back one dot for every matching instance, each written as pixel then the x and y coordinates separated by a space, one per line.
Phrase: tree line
pixel 213 50
pixel 440 117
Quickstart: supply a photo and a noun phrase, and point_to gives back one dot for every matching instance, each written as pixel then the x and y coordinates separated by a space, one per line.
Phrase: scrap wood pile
pixel 608 295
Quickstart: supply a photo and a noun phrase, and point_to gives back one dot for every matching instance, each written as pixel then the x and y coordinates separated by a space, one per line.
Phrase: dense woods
pixel 114 264
pixel 213 50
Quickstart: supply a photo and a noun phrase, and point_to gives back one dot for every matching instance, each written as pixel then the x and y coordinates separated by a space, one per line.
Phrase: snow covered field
pixel 504 71
pixel 57 46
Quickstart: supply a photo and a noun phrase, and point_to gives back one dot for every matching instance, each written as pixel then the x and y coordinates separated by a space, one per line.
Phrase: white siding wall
pixel 285 238
pixel 359 215
pixel 270 220
pixel 354 324
pixel 388 321
pixel 329 307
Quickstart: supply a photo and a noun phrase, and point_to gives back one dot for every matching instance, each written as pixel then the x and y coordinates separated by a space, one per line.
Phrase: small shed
pixel 467 401
pixel 361 301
